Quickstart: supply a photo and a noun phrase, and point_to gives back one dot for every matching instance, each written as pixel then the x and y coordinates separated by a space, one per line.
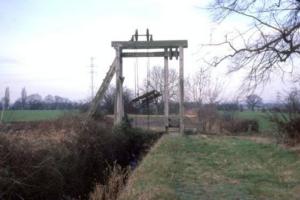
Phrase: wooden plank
pixel 100 93
pixel 148 95
pixel 158 44
pixel 149 54
pixel 181 90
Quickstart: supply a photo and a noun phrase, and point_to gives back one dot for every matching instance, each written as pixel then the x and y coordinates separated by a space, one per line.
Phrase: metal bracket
pixel 135 37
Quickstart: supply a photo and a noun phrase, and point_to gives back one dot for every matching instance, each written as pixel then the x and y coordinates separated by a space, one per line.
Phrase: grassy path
pixel 195 167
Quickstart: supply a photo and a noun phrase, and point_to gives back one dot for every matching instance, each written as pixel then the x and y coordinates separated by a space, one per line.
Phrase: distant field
pixel 33 115
pixel 195 167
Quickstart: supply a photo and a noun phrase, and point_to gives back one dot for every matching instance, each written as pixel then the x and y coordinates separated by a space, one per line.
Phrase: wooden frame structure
pixel 166 49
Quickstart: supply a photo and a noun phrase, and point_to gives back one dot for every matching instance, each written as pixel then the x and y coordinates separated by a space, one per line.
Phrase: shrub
pixel 288 127
pixel 240 125
pixel 231 123
pixel 288 123
pixel 65 163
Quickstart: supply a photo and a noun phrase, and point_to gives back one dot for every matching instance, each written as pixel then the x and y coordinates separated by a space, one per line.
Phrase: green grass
pixel 195 167
pixel 33 115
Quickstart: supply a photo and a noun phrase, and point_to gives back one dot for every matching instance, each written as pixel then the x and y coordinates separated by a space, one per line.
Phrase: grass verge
pixel 194 167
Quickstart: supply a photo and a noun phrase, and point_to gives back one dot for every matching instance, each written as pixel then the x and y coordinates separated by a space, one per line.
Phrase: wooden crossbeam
pixel 150 54
pixel 157 44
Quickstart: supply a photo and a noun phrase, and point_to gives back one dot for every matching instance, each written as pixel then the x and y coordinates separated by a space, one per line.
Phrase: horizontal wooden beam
pixel 158 44
pixel 149 54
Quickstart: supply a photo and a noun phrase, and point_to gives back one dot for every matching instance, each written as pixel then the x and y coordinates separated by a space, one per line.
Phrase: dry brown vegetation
pixel 64 159
pixel 113 186
pixel 288 128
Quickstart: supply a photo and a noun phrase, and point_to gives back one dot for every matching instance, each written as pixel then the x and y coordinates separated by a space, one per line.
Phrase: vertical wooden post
pixel 166 91
pixel 181 90
pixel 119 108
pixel 121 103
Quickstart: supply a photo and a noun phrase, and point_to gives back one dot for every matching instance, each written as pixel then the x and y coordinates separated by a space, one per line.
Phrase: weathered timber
pixel 181 90
pixel 166 90
pixel 100 93
pixel 171 49
pixel 158 44
pixel 150 54
pixel 147 97
pixel 119 112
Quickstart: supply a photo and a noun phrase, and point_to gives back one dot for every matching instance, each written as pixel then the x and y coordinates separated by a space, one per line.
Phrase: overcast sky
pixel 46 46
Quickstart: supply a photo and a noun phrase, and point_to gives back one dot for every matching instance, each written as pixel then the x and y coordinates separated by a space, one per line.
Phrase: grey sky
pixel 46 45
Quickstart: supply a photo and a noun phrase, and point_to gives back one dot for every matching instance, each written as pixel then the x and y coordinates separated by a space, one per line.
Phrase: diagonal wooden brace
pixel 100 93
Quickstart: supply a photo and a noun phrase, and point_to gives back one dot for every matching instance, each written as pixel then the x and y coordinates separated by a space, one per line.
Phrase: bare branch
pixel 270 43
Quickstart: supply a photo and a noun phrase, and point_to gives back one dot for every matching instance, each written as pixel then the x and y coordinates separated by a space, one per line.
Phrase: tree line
pixel 37 102
pixel 200 89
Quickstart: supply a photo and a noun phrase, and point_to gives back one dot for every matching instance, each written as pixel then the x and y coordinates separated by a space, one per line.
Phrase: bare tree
pixel 35 101
pixel 109 100
pixel 205 92
pixel 200 82
pixel 6 98
pixel 253 101
pixel 107 104
pixel 23 98
pixel 202 88
pixel 271 42
pixel 156 82
pixel 293 102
